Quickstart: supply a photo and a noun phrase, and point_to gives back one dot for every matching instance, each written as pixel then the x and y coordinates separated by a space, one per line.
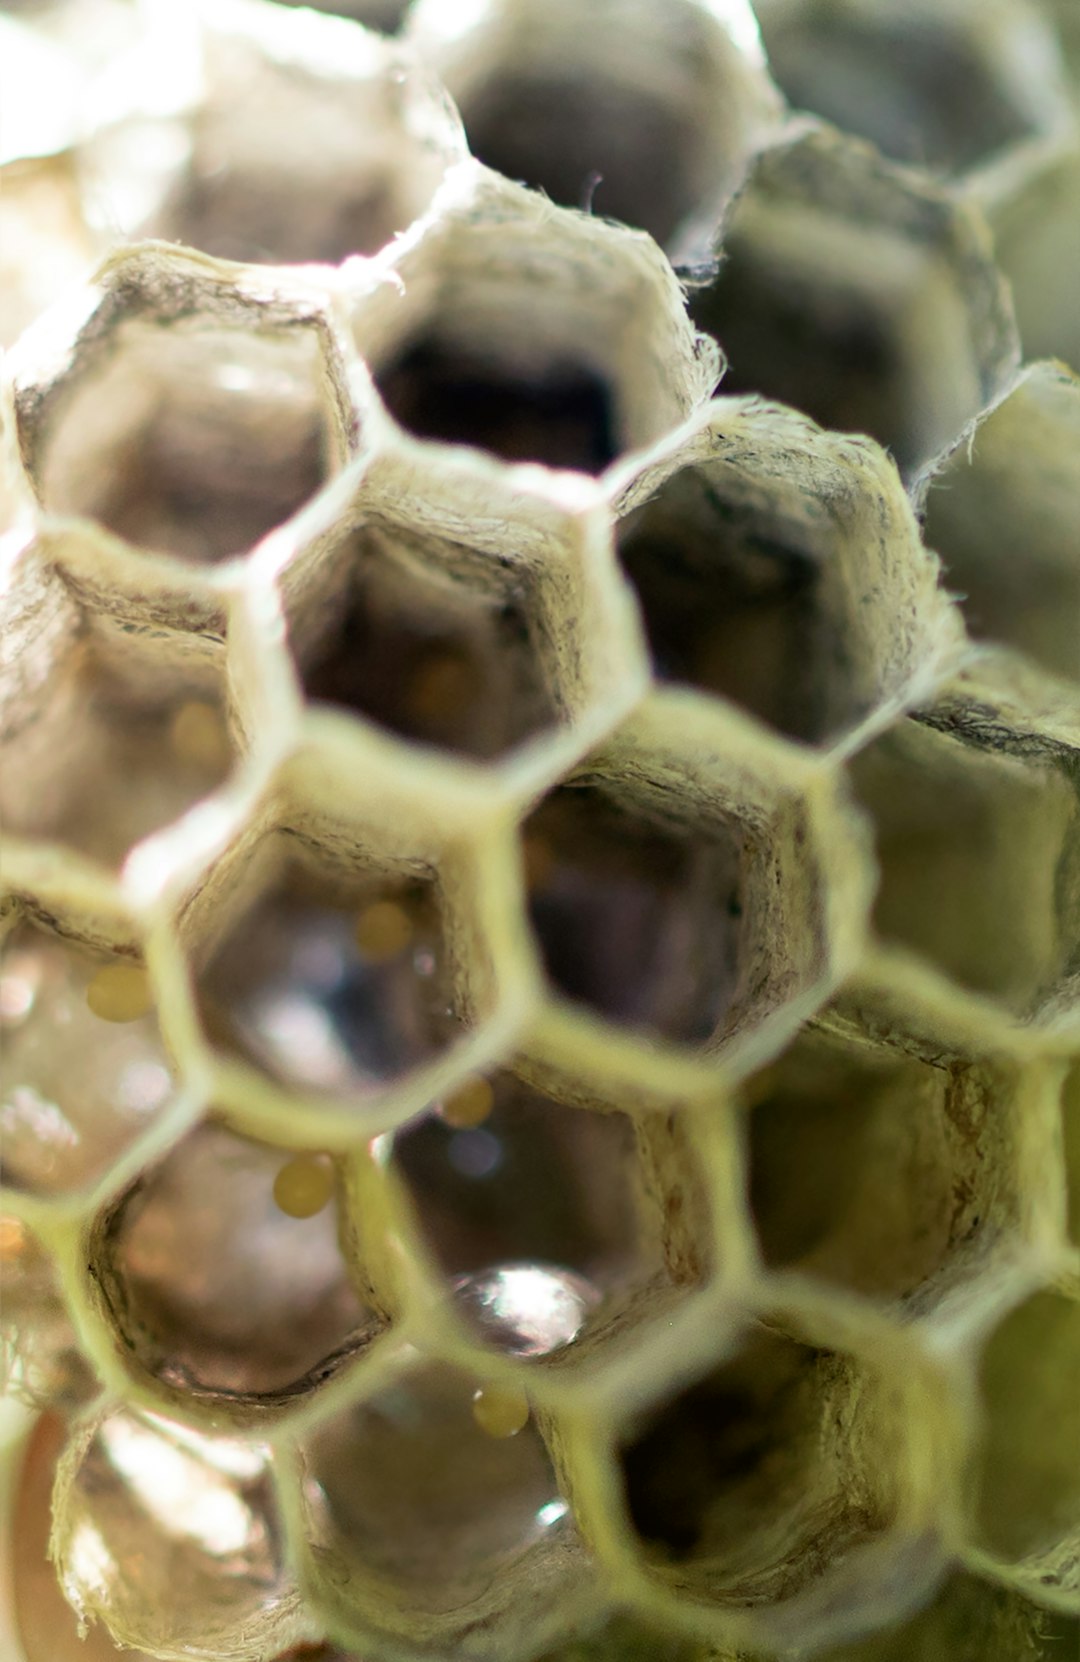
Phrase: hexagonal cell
pixel 1027 1496
pixel 551 1222
pixel 438 644
pixel 191 415
pixel 505 329
pixel 487 620
pixel 888 1175
pixel 84 1074
pixel 1036 232
pixel 222 1273
pixel 231 179
pixel 329 978
pixel 681 900
pixel 47 1626
pixel 656 133
pixel 428 1531
pixel 118 733
pixel 933 86
pixel 40 1357
pixel 640 921
pixel 861 294
pixel 1017 478
pixel 768 1486
pixel 961 821
pixel 171 1539
pixel 800 593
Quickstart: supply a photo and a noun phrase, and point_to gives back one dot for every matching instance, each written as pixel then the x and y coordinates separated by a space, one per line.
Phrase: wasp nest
pixel 541 983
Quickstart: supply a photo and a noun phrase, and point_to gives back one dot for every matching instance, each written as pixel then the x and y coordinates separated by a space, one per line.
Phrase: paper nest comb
pixel 541 989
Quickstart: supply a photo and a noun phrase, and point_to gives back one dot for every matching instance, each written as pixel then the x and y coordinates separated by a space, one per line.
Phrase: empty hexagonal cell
pixel 83 1070
pixel 222 1271
pixel 331 982
pixel 647 116
pixel 47 1626
pixel 637 919
pixel 860 294
pixel 975 846
pixel 120 737
pixel 230 178
pixel 760 1487
pixel 548 1220
pixel 438 643
pixel 189 418
pixel 171 1539
pixel 40 1357
pixel 802 595
pixel 1027 1498
pixel 1017 483
pixel 885 1174
pixel 431 1530
pixel 507 331
pixel 931 85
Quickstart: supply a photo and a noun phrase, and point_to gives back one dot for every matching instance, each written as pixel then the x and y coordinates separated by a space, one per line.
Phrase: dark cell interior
pixel 589 143
pixel 293 991
pixel 536 1183
pixel 733 604
pixel 253 217
pixel 854 1175
pixel 562 418
pixel 640 922
pixel 710 1479
pixel 922 97
pixel 384 15
pixel 220 1290
pixel 436 663
pixel 818 345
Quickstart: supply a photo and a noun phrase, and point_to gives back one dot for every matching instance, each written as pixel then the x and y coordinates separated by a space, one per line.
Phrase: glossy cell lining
pixel 133 743
pixel 884 1174
pixel 230 178
pixel 635 919
pixel 740 1489
pixel 48 1628
pixel 437 644
pixel 1027 1502
pixel 927 86
pixel 330 983
pixel 654 135
pixel 40 1358
pixel 176 1534
pixel 432 1522
pixel 544 1219
pixel 217 1287
pixel 480 339
pixel 959 826
pixel 861 296
pixel 83 1070
pixel 1018 478
pixel 179 423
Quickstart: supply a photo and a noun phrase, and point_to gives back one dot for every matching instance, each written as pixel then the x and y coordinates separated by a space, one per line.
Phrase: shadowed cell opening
pixel 559 414
pixel 635 919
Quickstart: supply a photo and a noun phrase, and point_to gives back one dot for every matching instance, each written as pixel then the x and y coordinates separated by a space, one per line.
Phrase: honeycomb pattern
pixel 540 912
